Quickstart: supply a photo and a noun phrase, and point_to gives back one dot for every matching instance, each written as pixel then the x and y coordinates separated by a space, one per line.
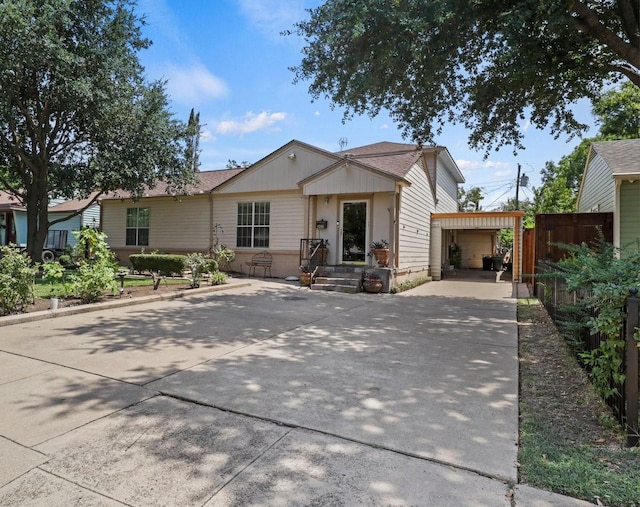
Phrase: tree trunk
pixel 37 220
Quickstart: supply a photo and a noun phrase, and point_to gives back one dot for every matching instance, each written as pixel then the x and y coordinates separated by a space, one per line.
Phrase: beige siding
pixel 416 206
pixel 474 245
pixel 280 172
pixel 286 218
pixel 630 215
pixel 173 225
pixel 598 188
pixel 349 180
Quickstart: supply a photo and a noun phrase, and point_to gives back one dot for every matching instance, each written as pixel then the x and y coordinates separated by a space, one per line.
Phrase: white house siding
pixel 280 172
pixel 630 215
pixel 91 216
pixel 416 205
pixel 598 189
pixel 446 192
pixel 287 212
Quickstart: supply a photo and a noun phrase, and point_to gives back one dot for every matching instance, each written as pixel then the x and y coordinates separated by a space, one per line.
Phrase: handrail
pixel 312 252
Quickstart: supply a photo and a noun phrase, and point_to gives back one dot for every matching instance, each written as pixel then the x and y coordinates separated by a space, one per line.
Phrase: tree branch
pixel 593 26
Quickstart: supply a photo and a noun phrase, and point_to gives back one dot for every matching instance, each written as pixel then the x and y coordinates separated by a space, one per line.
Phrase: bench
pixel 260 260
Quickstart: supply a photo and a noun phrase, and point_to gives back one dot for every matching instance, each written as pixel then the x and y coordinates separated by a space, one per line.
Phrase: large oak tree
pixel 491 64
pixel 76 114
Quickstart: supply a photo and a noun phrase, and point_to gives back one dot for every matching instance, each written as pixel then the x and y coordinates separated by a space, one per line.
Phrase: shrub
pixel 17 277
pixel 218 278
pixel 159 263
pixel 98 268
pixel 604 279
pixel 223 256
pixel 199 265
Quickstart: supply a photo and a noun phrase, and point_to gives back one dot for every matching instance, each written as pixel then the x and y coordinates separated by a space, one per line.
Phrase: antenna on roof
pixel 343 143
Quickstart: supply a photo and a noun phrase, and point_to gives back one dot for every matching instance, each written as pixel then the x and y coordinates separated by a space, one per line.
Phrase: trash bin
pixel 497 261
pixel 487 263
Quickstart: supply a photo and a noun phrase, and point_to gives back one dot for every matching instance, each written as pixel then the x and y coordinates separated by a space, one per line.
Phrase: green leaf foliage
pixel 489 64
pixel 76 115
pixel 17 277
pixel 603 279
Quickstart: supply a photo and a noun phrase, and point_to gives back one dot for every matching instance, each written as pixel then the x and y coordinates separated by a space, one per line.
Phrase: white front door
pixel 353 232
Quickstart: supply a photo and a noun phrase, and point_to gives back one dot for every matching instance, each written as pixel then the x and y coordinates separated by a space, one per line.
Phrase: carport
pixel 479 230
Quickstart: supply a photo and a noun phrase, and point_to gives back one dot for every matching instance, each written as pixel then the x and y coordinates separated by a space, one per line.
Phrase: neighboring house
pixel 13 221
pixel 611 183
pixel 350 198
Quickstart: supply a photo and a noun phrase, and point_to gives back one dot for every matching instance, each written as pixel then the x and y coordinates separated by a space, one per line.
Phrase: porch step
pixel 343 280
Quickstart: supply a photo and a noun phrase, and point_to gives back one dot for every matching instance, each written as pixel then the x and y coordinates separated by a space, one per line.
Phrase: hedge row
pixel 164 264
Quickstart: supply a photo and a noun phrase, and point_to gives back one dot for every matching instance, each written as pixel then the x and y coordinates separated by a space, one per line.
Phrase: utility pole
pixel 518 188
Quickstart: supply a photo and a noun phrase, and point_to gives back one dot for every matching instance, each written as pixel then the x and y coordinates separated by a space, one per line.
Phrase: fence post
pixel 631 384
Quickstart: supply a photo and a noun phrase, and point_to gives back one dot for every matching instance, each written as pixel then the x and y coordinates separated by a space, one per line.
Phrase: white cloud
pixel 194 85
pixel 316 113
pixel 472 165
pixel 250 123
pixel 525 126
pixel 273 16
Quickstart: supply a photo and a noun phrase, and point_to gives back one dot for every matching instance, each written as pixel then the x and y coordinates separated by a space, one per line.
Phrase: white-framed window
pixel 253 225
pixel 137 227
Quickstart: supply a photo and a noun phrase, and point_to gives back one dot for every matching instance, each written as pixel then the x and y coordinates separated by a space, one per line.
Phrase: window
pixel 253 225
pixel 137 226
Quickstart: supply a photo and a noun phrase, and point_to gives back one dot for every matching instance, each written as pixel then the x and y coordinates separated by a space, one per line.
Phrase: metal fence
pixel 560 303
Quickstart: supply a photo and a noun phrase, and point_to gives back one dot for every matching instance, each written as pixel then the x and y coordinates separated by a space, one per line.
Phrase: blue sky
pixel 227 59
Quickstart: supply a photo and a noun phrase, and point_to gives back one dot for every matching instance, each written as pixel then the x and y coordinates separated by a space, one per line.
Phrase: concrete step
pixel 348 289
pixel 337 281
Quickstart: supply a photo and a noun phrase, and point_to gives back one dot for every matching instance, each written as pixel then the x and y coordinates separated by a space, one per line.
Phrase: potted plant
pixel 305 276
pixel 371 282
pixel 380 250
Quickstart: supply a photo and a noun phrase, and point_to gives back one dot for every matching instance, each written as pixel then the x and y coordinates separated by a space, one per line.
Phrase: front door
pixel 353 232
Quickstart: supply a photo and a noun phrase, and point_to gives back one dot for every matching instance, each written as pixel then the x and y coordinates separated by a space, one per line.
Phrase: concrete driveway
pixel 268 395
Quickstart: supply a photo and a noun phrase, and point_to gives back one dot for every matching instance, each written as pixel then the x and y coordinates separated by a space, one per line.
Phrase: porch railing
pixel 313 252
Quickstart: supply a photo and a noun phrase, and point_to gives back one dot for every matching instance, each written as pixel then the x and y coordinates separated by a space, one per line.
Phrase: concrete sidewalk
pixel 269 394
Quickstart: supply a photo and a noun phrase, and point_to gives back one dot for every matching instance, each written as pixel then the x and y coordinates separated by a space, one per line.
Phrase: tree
pixel 617 112
pixel 469 200
pixel 489 64
pixel 76 115
pixel 193 141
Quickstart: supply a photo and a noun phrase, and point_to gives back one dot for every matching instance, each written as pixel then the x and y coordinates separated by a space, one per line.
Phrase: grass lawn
pixel 569 441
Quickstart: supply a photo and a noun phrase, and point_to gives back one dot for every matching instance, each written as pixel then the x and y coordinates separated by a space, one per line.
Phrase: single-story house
pixel 13 221
pixel 611 183
pixel 383 191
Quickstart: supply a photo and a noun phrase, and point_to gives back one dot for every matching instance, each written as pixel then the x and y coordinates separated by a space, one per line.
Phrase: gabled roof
pixel 393 158
pixel 622 156
pixel 72 205
pixel 8 201
pixel 206 182
pixel 398 158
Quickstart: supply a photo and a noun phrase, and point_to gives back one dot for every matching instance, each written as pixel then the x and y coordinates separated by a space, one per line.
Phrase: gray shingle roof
pixel 622 157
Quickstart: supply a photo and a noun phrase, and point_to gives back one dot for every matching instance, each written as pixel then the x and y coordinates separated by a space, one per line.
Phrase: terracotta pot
pixel 305 279
pixel 373 286
pixel 382 256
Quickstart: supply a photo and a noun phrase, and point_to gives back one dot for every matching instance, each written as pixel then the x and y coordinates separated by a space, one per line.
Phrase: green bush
pixel 199 265
pixel 17 277
pixel 159 263
pixel 223 256
pixel 604 278
pixel 218 278
pixel 97 271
